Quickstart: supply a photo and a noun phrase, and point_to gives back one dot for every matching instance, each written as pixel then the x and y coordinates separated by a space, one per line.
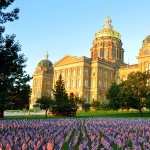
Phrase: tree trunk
pixel 46 113
pixel 1 113
pixel 140 108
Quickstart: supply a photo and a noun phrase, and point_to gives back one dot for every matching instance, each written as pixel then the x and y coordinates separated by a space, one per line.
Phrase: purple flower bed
pixel 82 134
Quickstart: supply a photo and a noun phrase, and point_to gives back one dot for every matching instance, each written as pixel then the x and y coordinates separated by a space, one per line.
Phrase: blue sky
pixel 64 27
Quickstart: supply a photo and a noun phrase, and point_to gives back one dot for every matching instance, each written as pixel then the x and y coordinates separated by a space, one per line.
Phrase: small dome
pixel 146 40
pixel 45 63
pixel 145 50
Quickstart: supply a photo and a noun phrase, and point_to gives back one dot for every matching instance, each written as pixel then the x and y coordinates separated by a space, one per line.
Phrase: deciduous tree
pixel 113 95
pixel 45 103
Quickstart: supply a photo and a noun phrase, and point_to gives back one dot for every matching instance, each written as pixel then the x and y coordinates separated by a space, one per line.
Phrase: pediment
pixel 68 60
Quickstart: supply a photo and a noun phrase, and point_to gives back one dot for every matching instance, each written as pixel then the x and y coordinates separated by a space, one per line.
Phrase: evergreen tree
pixel 60 96
pixel 13 78
pixel 73 102
pixel 59 92
pixel 64 105
pixel 6 16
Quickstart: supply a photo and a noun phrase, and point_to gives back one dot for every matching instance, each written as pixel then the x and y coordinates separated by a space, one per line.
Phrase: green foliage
pixel 131 93
pixel 59 91
pixel 129 143
pixel 64 105
pixel 113 95
pixel 89 114
pixel 14 87
pixel 22 100
pixel 7 16
pixel 96 105
pixel 136 87
pixel 126 97
pixel 13 78
pixel 86 106
pixel 45 103
pixel 65 146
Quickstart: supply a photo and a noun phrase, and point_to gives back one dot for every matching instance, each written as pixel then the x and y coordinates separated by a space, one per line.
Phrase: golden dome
pixel 108 30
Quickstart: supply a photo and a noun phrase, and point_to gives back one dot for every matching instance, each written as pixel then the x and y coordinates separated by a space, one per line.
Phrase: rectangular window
pixel 79 83
pixel 74 72
pixel 86 83
pixel 101 53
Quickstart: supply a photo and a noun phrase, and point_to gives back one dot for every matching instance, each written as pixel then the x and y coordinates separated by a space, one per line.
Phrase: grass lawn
pixel 113 114
pixel 93 114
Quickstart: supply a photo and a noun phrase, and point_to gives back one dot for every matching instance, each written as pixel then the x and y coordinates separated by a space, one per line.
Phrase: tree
pixel 21 99
pixel 138 88
pixel 96 105
pixel 113 95
pixel 126 98
pixel 45 103
pixel 64 105
pixel 13 78
pixel 73 103
pixel 6 16
pixel 86 106
pixel 131 93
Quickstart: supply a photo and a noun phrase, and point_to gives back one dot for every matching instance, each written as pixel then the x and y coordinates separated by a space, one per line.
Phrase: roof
pixel 108 30
pixel 45 63
pixel 146 40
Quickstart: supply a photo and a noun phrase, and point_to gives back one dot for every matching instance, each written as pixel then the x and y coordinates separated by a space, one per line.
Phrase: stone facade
pixel 75 72
pixel 143 61
pixel 42 82
pixel 90 78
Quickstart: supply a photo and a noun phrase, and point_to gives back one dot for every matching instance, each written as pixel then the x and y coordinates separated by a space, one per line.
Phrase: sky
pixel 67 27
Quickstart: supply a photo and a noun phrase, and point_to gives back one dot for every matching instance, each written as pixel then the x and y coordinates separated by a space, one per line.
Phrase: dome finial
pixel 107 22
pixel 46 56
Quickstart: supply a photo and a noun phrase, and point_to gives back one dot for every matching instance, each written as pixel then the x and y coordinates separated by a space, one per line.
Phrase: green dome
pixel 147 40
pixel 45 63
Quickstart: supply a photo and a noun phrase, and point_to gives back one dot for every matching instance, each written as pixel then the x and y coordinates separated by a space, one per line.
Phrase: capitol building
pixel 90 77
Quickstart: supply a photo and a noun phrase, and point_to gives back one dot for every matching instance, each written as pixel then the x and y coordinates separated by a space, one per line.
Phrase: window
pixel 74 72
pixel 74 83
pixel 79 83
pixel 93 84
pixel 86 83
pixel 147 68
pixel 106 53
pixel 101 53
pixel 86 71
pixel 66 72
